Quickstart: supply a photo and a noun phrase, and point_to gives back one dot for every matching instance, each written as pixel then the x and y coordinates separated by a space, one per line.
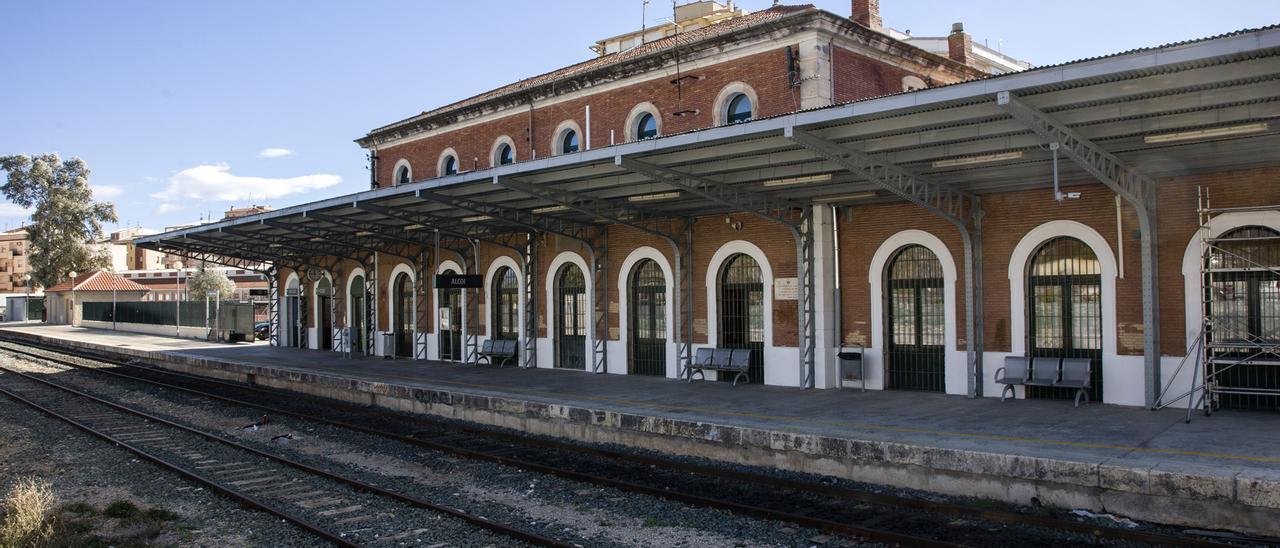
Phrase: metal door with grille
pixel 742 311
pixel 571 318
pixel 1064 291
pixel 915 327
pixel 648 320
pixel 506 305
pixel 403 323
pixel 1244 303
pixel 449 325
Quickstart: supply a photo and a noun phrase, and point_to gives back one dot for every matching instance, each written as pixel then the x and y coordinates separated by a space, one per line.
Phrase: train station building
pixel 806 185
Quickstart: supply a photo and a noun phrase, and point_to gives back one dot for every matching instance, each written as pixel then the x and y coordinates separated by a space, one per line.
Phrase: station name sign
pixel 459 281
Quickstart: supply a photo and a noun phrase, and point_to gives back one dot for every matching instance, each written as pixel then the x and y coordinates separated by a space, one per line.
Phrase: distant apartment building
pixel 14 248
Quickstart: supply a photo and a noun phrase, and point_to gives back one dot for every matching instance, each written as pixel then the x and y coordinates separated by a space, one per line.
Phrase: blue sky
pixel 174 105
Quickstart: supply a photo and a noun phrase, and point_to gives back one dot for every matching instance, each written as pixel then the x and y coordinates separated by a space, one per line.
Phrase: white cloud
pixel 14 210
pixel 107 192
pixel 216 182
pixel 275 153
pixel 169 208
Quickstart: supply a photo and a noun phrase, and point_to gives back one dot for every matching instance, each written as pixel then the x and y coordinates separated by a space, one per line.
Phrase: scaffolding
pixel 1235 357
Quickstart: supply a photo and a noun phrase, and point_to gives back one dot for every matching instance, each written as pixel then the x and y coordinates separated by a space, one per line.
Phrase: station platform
pixel 1218 472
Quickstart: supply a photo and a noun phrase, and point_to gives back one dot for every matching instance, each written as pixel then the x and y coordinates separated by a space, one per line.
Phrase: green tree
pixel 206 280
pixel 66 221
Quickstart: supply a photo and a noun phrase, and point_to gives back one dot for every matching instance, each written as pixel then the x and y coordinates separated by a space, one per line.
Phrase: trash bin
pixel 388 346
pixel 851 368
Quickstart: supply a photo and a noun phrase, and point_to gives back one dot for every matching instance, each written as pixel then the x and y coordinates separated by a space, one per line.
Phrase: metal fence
pixel 236 317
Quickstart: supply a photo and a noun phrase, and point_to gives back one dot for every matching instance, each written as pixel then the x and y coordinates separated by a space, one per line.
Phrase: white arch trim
pixel 489 281
pixel 629 132
pixel 727 93
pixel 956 364
pixel 497 143
pixel 786 372
pixel 624 302
pixel 457 163
pixel 292 281
pixel 1122 378
pixel 315 299
pixel 553 274
pixel 559 133
pixel 395 172
pixel 401 268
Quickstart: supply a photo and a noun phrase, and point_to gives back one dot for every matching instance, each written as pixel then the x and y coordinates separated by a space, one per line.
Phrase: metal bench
pixel 729 360
pixel 498 351
pixel 1059 372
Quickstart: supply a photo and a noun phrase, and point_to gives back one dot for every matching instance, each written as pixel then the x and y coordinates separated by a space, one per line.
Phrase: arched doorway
pixel 356 310
pixel 324 313
pixel 571 318
pixel 648 308
pixel 915 326
pixel 742 311
pixel 1243 293
pixel 403 321
pixel 506 304
pixel 450 324
pixel 291 314
pixel 1064 319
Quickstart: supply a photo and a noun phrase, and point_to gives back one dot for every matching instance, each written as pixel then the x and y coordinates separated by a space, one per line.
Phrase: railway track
pixel 864 515
pixel 339 509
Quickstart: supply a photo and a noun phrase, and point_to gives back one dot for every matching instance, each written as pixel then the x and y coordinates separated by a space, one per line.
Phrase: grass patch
pixel 121 509
pixel 28 514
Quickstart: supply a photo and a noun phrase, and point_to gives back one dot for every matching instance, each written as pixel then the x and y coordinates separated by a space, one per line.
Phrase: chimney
pixel 959 44
pixel 867 14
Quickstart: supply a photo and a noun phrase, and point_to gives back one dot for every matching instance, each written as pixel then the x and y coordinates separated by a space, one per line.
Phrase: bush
pixel 28 514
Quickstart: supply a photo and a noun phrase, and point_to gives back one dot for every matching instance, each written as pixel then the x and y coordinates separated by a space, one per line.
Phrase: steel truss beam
pixel 273 307
pixel 377 231
pixel 1136 188
pixel 201 254
pixel 437 224
pixel 214 245
pixel 338 238
pixel 592 237
pixel 960 208
pixel 767 208
pixel 613 211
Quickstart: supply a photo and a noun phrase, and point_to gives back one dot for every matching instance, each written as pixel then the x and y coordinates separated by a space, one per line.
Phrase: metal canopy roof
pixel 1118 102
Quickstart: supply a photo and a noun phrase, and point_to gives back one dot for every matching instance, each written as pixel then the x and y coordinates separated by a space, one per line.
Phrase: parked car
pixel 262 330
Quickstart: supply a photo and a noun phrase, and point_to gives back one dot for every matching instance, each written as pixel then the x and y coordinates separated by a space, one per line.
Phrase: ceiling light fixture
pixel 844 197
pixel 413 227
pixel 550 209
pixel 654 197
pixel 821 178
pixel 1206 133
pixel 970 160
pixel 476 218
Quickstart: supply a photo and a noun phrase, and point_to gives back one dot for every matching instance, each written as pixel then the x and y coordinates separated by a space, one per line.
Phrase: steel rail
pixel 357 484
pixel 998 516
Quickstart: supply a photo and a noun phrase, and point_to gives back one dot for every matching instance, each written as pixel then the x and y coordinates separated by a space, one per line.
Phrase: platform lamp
pixel 72 319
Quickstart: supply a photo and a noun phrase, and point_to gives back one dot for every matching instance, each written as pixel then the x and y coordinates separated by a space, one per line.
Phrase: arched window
pixel 505 154
pixel 568 141
pixel 324 313
pixel 403 173
pixel 571 318
pixel 646 126
pixel 739 109
pixel 916 322
pixel 1243 291
pixel 506 304
pixel 450 166
pixel 648 320
pixel 1064 290
pixel 449 328
pixel 741 311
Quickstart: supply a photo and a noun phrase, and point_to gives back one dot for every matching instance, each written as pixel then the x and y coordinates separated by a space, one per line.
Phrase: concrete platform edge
pixel 1237 501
